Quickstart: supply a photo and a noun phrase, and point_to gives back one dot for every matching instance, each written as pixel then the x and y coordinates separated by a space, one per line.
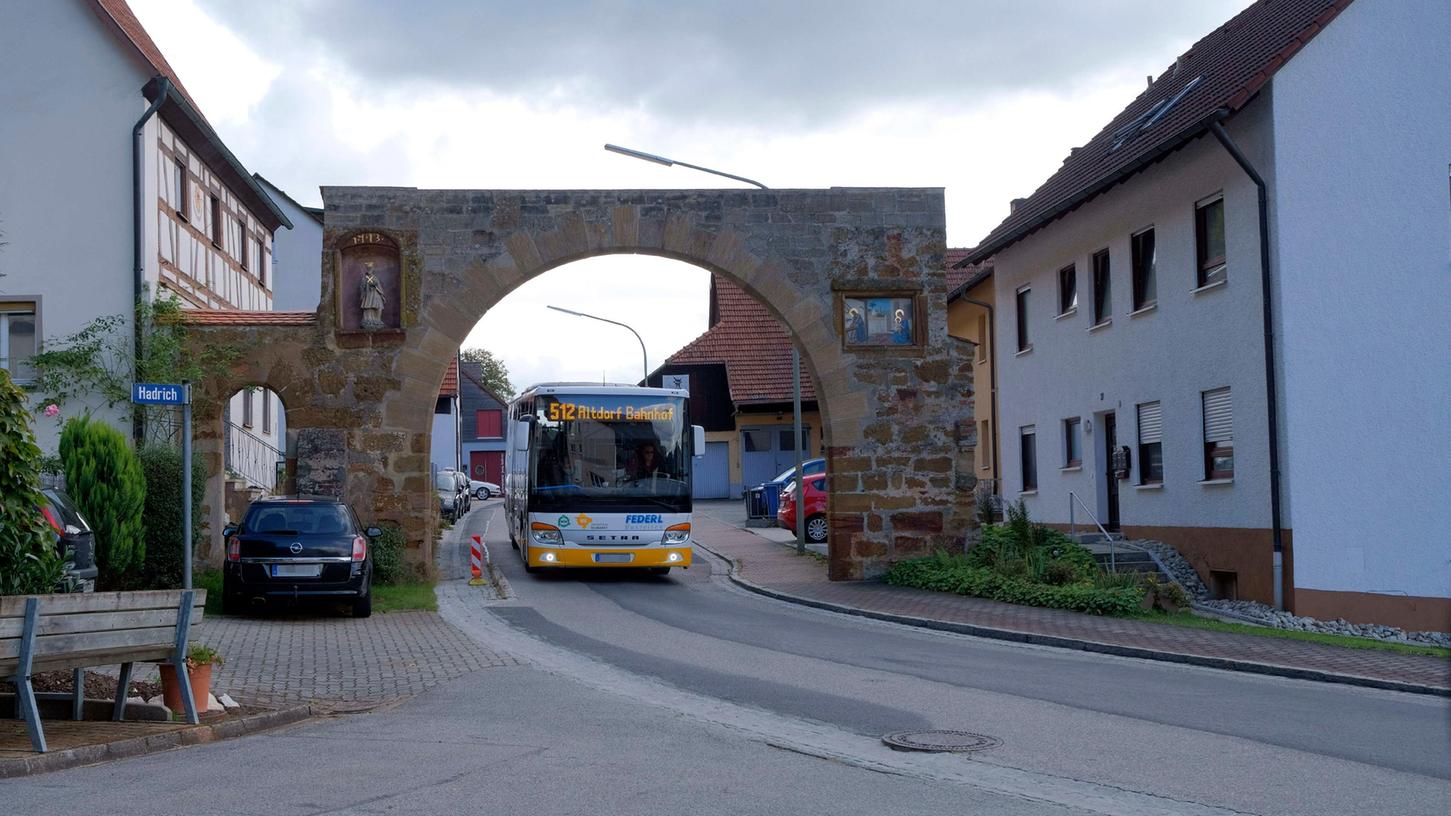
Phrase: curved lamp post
pixel 643 357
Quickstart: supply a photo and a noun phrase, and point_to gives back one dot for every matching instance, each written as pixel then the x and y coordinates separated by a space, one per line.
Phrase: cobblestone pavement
pixel 776 567
pixel 341 663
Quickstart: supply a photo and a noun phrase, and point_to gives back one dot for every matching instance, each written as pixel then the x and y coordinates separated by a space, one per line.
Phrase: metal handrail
pixel 1107 536
pixel 253 457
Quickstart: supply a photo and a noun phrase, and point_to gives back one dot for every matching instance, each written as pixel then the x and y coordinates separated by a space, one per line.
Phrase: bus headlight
pixel 677 533
pixel 546 533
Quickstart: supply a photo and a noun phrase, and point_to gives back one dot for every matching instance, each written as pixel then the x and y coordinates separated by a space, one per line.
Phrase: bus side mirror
pixel 698 440
pixel 521 435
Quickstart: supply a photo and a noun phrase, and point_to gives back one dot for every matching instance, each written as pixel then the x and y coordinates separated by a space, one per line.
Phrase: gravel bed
pixel 1269 616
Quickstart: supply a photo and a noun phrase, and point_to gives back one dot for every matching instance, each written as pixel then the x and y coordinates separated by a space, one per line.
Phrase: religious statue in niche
pixel 369 287
pixel 878 321
pixel 372 299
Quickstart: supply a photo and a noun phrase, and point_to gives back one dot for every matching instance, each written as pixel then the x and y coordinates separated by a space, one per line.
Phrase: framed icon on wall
pixel 879 320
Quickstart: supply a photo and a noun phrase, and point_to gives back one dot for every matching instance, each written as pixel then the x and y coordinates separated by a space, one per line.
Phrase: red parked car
pixel 816 526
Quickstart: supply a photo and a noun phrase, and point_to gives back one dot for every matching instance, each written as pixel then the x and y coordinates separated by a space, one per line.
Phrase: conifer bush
pixel 161 465
pixel 29 563
pixel 103 476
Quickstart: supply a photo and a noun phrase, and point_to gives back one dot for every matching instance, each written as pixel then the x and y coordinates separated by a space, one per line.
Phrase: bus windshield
pixel 610 450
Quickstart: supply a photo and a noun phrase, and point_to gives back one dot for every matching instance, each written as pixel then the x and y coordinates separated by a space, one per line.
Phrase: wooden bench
pixel 40 633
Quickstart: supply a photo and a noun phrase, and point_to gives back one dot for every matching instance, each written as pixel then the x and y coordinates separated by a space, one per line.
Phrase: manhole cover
pixel 940 741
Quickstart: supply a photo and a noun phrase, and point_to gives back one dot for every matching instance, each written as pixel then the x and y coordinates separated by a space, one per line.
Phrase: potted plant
pixel 199 661
pixel 1167 597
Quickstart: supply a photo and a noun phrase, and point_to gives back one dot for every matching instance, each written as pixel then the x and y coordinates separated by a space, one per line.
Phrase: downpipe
pixel 1271 398
pixel 138 204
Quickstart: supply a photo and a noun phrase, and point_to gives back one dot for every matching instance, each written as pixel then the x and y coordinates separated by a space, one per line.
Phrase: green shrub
pixel 161 467
pixel 946 573
pixel 1119 580
pixel 29 563
pixel 388 555
pixel 103 476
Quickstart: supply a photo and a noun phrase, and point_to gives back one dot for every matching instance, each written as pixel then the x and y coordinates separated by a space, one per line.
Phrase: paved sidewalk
pixel 768 566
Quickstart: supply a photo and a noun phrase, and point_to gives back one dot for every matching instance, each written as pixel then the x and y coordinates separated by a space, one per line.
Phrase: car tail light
pixel 234 549
pixel 50 517
pixel 360 548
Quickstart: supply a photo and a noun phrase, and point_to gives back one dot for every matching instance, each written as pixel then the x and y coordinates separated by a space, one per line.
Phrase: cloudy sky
pixel 982 97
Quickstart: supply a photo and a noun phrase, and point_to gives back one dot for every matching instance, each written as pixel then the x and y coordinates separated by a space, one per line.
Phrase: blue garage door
pixel 712 476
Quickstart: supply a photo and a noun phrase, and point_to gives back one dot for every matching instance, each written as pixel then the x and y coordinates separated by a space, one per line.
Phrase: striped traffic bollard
pixel 476 562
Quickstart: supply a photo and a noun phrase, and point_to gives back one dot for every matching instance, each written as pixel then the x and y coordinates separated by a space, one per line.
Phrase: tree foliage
pixel 495 373
pixel 161 464
pixel 103 476
pixel 29 563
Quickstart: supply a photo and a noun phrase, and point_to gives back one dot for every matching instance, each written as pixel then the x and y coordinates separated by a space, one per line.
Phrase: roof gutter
pixel 138 204
pixel 1271 398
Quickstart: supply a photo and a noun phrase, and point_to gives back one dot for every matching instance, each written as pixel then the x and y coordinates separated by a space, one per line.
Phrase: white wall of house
pixel 67 108
pixel 1188 343
pixel 297 257
pixel 1363 221
pixel 445 449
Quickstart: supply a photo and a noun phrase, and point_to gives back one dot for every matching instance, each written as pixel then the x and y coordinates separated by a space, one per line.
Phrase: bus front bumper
pixel 608 557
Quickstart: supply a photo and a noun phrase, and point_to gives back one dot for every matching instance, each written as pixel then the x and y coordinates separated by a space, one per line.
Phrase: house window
pixel 1209 240
pixel 216 220
pixel 259 265
pixel 247 407
pixel 1028 446
pixel 755 441
pixel 1218 435
pixel 1072 442
pixel 785 440
pixel 1145 291
pixel 1023 344
pixel 178 189
pixel 1102 288
pixel 267 412
pixel 243 244
pixel 488 424
pixel 17 339
pixel 1151 443
pixel 982 338
pixel 1067 289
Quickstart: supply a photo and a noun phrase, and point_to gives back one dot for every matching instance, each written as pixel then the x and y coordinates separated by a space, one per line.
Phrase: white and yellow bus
pixel 599 476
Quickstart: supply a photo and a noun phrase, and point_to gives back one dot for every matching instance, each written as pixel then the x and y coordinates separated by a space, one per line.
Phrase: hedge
pixel 945 573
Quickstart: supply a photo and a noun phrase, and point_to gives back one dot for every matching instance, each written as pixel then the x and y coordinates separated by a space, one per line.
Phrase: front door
pixel 1110 444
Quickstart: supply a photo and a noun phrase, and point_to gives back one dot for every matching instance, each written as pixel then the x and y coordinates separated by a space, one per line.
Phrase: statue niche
pixel 369 292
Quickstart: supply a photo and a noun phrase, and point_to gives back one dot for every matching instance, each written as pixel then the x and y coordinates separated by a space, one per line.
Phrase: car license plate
pixel 614 558
pixel 296 570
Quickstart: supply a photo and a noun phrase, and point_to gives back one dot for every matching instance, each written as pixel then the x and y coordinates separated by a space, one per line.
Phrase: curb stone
pixel 163 741
pixel 1060 642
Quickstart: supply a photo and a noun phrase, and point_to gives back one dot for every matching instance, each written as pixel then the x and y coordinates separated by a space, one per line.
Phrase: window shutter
pixel 1218 418
pixel 1151 423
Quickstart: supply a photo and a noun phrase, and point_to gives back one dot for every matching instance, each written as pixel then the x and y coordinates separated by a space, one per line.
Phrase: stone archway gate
pixel 897 417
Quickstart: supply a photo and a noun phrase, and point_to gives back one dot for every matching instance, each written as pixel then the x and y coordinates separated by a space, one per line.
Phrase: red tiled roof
pixel 751 343
pixel 125 19
pixel 1218 75
pixel 450 380
pixel 238 317
pixel 955 276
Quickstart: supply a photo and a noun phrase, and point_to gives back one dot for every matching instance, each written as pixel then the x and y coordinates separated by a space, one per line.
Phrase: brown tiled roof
pixel 956 276
pixel 238 317
pixel 450 380
pixel 119 13
pixel 751 343
pixel 1214 78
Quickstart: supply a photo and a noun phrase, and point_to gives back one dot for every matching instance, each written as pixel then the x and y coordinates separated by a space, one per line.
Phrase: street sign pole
pixel 800 482
pixel 186 536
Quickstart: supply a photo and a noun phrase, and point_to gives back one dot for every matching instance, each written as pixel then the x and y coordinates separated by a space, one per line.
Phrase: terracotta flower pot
pixel 201 687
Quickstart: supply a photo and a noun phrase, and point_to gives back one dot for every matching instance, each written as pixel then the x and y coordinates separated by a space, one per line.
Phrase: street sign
pixel 160 394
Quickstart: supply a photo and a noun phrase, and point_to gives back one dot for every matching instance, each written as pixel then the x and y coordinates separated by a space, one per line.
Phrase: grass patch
pixel 407 595
pixel 386 598
pixel 211 581
pixel 1191 621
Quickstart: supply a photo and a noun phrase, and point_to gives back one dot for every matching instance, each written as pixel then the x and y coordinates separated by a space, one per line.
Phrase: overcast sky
pixel 982 97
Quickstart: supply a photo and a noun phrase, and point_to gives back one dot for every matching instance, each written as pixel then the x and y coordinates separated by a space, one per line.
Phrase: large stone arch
pixel 896 419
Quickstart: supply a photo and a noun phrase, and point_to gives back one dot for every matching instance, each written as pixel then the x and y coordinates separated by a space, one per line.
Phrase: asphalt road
pixel 1244 742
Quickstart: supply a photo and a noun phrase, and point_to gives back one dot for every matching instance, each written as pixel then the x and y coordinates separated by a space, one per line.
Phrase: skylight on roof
pixel 1152 116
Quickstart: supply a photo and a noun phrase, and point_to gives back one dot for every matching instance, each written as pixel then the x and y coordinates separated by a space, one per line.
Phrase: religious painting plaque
pixel 879 319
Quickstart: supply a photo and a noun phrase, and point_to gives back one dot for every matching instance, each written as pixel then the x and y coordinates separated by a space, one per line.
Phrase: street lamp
pixel 795 352
pixel 643 357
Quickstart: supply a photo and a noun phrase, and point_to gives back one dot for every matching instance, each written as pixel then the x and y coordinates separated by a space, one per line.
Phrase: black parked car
pixel 73 538
pixel 294 549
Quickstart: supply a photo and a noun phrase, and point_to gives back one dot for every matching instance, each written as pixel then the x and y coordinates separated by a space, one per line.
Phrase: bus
pixel 599 476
